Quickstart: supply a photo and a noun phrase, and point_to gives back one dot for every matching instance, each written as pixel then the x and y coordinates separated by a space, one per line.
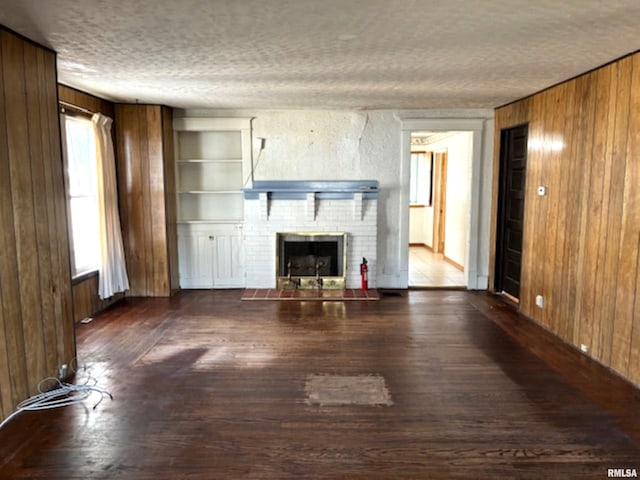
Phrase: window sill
pixel 81 277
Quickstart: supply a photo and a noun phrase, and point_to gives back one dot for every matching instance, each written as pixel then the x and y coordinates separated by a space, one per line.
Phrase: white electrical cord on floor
pixel 63 395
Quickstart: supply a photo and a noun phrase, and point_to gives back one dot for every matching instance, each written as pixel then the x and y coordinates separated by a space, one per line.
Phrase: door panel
pixel 228 270
pixel 211 256
pixel 513 161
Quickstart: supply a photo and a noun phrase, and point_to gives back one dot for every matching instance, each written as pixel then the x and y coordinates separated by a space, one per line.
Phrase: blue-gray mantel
pixel 323 189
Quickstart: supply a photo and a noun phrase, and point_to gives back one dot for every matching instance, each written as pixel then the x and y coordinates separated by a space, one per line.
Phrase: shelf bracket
pixel 358 206
pixel 311 206
pixel 263 197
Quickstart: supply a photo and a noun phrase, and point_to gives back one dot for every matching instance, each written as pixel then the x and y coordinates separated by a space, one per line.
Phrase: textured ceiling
pixel 334 54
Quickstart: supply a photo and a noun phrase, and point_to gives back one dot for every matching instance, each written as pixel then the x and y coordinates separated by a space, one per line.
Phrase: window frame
pixel 87 269
pixel 415 185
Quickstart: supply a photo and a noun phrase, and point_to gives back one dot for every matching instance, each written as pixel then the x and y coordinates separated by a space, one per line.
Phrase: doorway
pixel 438 208
pixel 510 220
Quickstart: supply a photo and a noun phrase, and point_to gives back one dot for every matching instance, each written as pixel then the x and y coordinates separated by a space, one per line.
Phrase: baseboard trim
pixel 454 263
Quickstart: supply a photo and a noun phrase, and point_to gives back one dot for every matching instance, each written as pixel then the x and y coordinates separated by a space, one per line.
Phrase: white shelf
pixel 210 145
pixel 211 207
pixel 209 176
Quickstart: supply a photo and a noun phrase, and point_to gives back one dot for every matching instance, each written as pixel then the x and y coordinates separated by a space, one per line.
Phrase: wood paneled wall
pixel 85 101
pixel 86 301
pixel 36 324
pixel 581 241
pixel 146 180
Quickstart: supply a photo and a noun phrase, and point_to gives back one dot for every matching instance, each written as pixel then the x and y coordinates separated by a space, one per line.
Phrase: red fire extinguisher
pixel 364 277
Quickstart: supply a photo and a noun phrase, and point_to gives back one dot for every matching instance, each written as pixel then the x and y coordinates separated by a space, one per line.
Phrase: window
pixel 82 194
pixel 421 179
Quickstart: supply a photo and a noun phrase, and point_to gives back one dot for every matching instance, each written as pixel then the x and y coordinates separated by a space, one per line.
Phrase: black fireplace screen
pixel 301 256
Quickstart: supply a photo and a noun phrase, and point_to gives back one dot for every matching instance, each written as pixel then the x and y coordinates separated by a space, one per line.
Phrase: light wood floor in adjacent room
pixel 206 386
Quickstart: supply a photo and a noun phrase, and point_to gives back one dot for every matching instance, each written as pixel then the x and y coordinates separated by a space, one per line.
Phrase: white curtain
pixel 113 270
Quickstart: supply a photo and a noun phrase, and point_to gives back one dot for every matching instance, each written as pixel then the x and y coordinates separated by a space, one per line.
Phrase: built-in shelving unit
pixel 213 158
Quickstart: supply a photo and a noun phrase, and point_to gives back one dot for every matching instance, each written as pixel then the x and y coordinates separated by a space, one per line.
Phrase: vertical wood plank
pixel 131 196
pixel 48 219
pixel 57 215
pixel 535 210
pixel 574 179
pixel 561 173
pixel 62 293
pixel 593 218
pixel 34 327
pixel 170 198
pixel 158 270
pixel 605 115
pixel 617 149
pixel 553 224
pixel 145 272
pixel 585 233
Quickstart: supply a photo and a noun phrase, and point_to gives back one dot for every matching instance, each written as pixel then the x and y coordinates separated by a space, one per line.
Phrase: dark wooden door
pixel 513 167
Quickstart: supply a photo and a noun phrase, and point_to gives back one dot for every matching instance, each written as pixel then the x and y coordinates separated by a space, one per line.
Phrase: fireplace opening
pixel 310 260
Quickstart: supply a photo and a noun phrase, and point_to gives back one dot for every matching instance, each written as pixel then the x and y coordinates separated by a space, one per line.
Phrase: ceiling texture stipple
pixel 331 54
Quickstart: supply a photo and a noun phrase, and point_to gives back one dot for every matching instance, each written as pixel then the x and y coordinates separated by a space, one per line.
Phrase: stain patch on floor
pixel 327 390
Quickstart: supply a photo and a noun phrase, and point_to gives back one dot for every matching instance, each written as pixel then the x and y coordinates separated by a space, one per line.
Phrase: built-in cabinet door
pixel 194 258
pixel 211 256
pixel 228 259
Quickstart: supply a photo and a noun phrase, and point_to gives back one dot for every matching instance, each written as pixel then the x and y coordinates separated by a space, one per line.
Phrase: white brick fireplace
pixel 274 207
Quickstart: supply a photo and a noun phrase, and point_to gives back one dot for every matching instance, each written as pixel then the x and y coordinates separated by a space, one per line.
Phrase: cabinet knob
pixel 211 237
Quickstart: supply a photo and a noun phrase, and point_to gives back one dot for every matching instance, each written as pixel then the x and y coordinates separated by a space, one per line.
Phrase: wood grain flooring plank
pixel 208 386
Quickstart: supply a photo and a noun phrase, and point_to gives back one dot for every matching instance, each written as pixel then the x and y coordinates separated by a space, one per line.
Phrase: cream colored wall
pixel 459 150
pixel 421 226
pixel 458 187
pixel 427 226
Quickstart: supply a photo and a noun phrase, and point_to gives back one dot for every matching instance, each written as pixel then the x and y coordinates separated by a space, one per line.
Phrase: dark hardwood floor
pixel 208 387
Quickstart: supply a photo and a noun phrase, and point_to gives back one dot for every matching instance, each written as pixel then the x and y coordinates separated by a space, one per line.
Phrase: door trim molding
pixel 477 252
